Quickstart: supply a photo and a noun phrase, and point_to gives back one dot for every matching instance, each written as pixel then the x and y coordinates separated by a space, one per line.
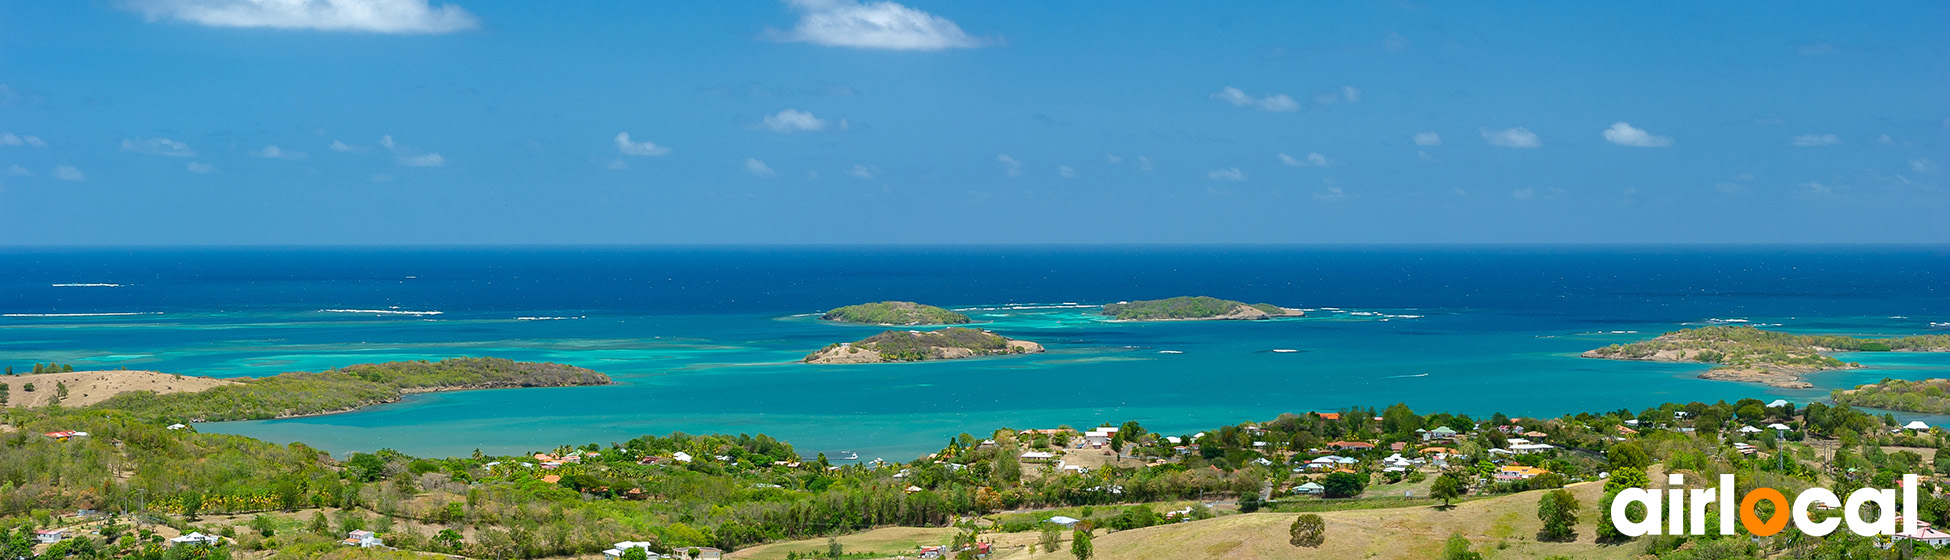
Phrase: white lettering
pixel 1822 496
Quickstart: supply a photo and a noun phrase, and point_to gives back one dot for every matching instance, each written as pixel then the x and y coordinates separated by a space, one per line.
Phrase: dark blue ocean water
pixel 705 339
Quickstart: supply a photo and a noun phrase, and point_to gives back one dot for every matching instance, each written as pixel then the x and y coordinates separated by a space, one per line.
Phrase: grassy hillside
pixel 895 313
pixel 300 393
pixel 1929 396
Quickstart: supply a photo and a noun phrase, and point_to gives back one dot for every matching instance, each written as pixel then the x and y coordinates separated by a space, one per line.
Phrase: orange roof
pixel 1437 450
pixel 1350 444
pixel 552 479
pixel 1329 415
pixel 1520 469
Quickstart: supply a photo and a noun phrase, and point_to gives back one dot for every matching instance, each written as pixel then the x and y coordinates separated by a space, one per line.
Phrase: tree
pixel 1343 485
pixel 1628 455
pixel 1447 488
pixel 833 548
pixel 265 526
pixel 1052 537
pixel 1607 531
pixel 1080 545
pixel 635 553
pixel 1249 503
pixel 448 538
pixel 1558 509
pixel 1457 548
pixel 1626 478
pixel 1308 530
pixel 29 387
pixel 319 525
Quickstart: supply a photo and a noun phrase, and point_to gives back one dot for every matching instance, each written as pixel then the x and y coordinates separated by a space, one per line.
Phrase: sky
pixel 418 122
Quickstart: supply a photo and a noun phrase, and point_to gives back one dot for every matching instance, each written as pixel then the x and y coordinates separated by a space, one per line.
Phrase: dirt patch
pixel 91 387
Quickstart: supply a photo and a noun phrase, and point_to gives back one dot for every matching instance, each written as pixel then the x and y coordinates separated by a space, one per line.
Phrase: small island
pixel 915 346
pixel 1753 355
pixel 300 393
pixel 895 313
pixel 1196 308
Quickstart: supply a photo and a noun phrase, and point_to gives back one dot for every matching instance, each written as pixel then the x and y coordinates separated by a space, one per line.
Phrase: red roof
pixel 1329 415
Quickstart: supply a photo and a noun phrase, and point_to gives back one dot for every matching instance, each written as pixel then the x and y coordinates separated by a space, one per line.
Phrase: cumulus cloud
pixel 9 139
pixel 864 171
pixel 1351 94
pixel 387 142
pixel 157 147
pixel 1227 174
pixel 1313 159
pixel 758 168
pixel 422 160
pixel 1066 172
pixel 200 167
pixel 370 16
pixel 1010 165
pixel 18 171
pixel 1518 137
pixel 628 148
pixel 1144 164
pixel 1332 193
pixel 340 146
pixel 1523 194
pixel 1815 140
pixel 274 152
pixel 1624 134
pixel 1428 139
pixel 1922 165
pixel 873 25
pixel 69 173
pixel 1113 159
pixel 794 120
pixel 1238 98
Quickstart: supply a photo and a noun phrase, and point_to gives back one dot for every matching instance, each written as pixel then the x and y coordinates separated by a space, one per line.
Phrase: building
pixel 1037 456
pixel 50 536
pixel 1924 534
pixel 1518 472
pixel 362 539
pixel 1099 437
pixel 1351 445
pixel 1440 433
pixel 1310 488
pixel 196 539
pixel 619 548
pixel 1064 521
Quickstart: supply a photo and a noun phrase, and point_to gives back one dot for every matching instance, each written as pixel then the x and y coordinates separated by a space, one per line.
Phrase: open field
pixel 90 387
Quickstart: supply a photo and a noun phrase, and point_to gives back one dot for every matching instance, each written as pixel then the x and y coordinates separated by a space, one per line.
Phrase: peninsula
pixel 1753 355
pixel 344 389
pixel 1195 308
pixel 895 314
pixel 1927 396
pixel 915 346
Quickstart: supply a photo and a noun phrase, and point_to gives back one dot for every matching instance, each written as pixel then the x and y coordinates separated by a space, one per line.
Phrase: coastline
pixel 401 396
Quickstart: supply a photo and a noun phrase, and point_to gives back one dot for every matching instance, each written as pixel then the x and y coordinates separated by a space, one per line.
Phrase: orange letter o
pixel 1751 520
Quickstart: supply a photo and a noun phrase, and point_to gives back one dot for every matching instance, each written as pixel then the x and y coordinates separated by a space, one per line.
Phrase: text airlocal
pixel 1681 511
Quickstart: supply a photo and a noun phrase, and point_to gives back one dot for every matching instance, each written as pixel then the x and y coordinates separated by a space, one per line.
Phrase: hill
pixel 1195 308
pixel 914 346
pixel 343 389
pixel 895 313
pixel 1759 356
pixel 89 387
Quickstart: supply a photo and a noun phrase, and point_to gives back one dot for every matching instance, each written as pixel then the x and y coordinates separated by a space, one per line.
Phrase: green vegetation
pixel 900 313
pixel 1558 510
pixel 1929 396
pixel 914 346
pixel 1308 530
pixel 47 368
pixel 301 393
pixel 1188 307
pixel 1742 346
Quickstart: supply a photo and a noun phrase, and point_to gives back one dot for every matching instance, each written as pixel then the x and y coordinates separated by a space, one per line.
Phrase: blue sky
pixel 832 121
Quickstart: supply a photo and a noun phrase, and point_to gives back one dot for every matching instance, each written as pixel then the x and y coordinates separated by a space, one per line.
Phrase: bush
pixel 1308 530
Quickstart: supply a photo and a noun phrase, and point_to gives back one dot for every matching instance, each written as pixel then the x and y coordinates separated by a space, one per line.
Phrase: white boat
pixel 1284 350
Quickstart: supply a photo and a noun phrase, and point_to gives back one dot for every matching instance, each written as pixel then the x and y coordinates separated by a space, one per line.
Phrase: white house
pixel 50 536
pixel 196 539
pixel 620 548
pixel 1441 432
pixel 1065 521
pixel 681 457
pixel 1531 447
pixel 177 426
pixel 1099 437
pixel 1038 456
pixel 1309 488
pixel 1917 425
pixel 1778 403
pixel 1779 427
pixel 362 539
pixel 1749 430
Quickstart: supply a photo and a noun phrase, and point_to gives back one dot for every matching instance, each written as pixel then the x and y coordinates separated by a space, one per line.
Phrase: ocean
pixel 706 339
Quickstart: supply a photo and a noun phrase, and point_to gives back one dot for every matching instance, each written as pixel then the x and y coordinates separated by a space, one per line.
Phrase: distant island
pixel 1753 355
pixel 915 346
pixel 895 313
pixel 1196 308
pixel 344 389
pixel 1927 396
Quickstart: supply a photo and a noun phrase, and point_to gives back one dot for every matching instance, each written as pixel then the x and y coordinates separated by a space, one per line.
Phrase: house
pixel 1779 427
pixel 1398 446
pixel 1440 433
pixel 1917 425
pixel 681 457
pixel 1309 488
pixel 1518 472
pixel 1779 403
pixel 1065 521
pixel 618 550
pixel 50 536
pixel 703 553
pixel 1624 431
pixel 1329 415
pixel 1924 534
pixel 552 479
pixel 1099 437
pixel 1038 456
pixel 196 539
pixel 176 426
pixel 933 551
pixel 1521 448
pixel 1354 445
pixel 1749 430
pixel 362 539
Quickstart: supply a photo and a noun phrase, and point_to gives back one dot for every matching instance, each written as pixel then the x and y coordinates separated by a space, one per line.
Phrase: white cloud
pixel 200 167
pixel 1816 189
pixel 1009 165
pixel 1066 172
pixel 794 120
pixel 1113 159
pixel 616 165
pixel 1144 164
pixel 339 146
pixel 1523 194
pixel 628 148
pixel 1518 137
pixel 1624 134
pixel 1332 193
pixel 864 171
pixel 34 141
pixel 873 25
pixel 1885 140
pixel 9 139
pixel 1312 160
pixel 1227 174
pixel 18 171
pixel 373 16
pixel 1276 102
pixel 758 168
pixel 1351 94
pixel 1922 165
pixel 68 173
pixel 423 160
pixel 387 142
pixel 1428 139
pixel 274 152
pixel 1815 140
pixel 157 147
